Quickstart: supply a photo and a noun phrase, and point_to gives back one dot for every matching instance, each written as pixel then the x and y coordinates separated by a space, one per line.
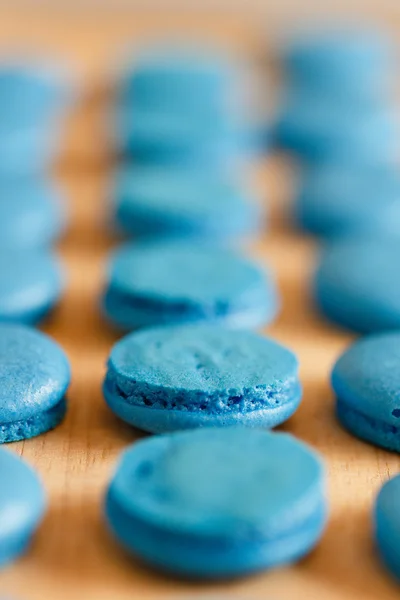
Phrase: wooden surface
pixel 73 556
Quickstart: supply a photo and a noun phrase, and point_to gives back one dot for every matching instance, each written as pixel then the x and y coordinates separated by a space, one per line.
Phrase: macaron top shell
pixel 34 373
pixel 205 359
pixel 22 497
pixel 367 377
pixel 221 483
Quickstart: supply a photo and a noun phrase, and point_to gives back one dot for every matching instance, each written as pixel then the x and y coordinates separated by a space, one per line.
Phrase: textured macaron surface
pixel 221 483
pixel 357 284
pixel 34 373
pixel 202 368
pixel 22 500
pixel 367 377
pixel 160 199
pixel 211 278
pixel 29 282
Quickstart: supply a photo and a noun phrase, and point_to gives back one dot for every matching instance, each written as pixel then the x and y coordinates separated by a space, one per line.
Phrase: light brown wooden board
pixel 73 556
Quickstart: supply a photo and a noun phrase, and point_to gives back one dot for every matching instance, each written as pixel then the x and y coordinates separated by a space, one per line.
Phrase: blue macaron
pixel 31 284
pixel 176 203
pixel 344 61
pixel 34 98
pixel 170 378
pixel 387 525
pixel 28 151
pixel 22 505
pixel 33 91
pixel 176 283
pixel 213 504
pixel 34 377
pixel 31 214
pixel 357 284
pixel 319 129
pixel 337 200
pixel 179 79
pixel 182 140
pixel 366 380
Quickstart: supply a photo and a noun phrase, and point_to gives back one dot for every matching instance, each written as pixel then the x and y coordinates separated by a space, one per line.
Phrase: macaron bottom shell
pixel 157 420
pixel 39 423
pixel 194 558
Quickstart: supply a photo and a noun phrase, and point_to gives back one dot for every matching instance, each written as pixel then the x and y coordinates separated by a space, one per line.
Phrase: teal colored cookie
pixel 31 284
pixel 387 525
pixel 176 203
pixel 350 62
pixel 22 505
pixel 34 98
pixel 171 283
pixel 34 377
pixel 366 380
pixel 31 214
pixel 180 78
pixel 337 200
pixel 170 378
pixel 213 504
pixel 357 284
pixel 327 129
pixel 164 139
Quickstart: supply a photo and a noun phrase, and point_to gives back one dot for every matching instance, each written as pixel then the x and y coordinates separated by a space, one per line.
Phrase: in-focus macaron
pixel 22 505
pixel 346 61
pixel 34 377
pixel 357 284
pixel 212 504
pixel 169 378
pixel 176 283
pixel 318 129
pixel 31 214
pixel 366 382
pixel 337 200
pixel 177 203
pixel 181 140
pixel 31 283
pixel 387 525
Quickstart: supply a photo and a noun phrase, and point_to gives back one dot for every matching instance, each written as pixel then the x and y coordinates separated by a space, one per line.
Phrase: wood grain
pixel 73 556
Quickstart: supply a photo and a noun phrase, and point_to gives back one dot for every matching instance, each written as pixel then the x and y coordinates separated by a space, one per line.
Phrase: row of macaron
pixel 193 107
pixel 350 200
pixel 199 108
pixel 175 499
